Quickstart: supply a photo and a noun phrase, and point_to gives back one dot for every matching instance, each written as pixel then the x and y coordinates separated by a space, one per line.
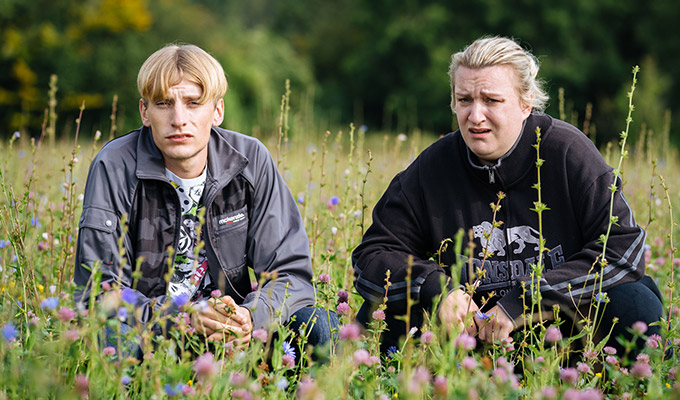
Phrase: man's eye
pixel 493 101
pixel 464 100
pixel 161 103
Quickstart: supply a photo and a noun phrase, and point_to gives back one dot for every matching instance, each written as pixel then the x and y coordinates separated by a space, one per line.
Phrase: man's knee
pixel 321 324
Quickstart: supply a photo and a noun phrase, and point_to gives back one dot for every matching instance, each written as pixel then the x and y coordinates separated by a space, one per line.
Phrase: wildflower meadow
pixel 51 347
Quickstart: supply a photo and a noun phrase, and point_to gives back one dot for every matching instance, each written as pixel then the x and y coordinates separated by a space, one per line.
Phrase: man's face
pixel 489 110
pixel 181 127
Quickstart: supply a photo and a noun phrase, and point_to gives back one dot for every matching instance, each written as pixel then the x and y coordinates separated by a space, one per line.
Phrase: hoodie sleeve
pixel 398 241
pixel 278 249
pixel 578 281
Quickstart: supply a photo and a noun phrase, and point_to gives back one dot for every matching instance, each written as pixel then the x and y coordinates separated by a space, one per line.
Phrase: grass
pixel 50 349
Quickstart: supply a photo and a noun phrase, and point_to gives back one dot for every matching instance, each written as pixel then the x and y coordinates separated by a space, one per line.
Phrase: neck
pixel 187 169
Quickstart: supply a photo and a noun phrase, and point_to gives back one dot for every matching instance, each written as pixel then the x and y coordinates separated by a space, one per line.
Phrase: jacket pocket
pixel 98 242
pixel 99 219
pixel 231 237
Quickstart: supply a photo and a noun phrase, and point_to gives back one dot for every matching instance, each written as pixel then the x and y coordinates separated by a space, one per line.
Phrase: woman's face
pixel 489 110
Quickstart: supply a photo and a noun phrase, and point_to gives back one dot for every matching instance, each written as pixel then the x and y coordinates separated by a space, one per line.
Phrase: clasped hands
pixel 224 320
pixel 489 327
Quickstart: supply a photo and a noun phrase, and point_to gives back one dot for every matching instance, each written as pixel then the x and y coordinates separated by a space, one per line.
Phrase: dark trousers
pixel 629 302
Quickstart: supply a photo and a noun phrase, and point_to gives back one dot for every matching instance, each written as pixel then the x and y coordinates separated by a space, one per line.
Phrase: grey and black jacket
pixel 446 189
pixel 251 220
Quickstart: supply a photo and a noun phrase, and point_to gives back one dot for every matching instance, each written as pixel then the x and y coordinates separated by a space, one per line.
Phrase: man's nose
pixel 179 115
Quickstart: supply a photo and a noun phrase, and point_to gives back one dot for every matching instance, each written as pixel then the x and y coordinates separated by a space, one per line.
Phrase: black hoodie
pixel 446 189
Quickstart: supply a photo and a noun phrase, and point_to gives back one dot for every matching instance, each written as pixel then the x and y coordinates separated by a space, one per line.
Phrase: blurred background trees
pixel 377 63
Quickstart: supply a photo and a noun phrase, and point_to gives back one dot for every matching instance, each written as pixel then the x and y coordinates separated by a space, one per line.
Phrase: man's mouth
pixel 479 131
pixel 181 137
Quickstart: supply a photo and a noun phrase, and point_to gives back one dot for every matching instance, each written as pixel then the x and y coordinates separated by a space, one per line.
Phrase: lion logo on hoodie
pixel 496 240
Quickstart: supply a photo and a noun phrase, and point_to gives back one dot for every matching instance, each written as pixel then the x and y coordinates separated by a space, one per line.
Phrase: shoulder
pixel 563 136
pixel 119 151
pixel 565 147
pixel 251 148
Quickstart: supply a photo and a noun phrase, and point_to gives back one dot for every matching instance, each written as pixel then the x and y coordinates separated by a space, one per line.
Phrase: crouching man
pixel 206 201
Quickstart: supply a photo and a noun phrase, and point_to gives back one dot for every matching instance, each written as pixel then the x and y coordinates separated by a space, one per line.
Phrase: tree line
pixel 379 63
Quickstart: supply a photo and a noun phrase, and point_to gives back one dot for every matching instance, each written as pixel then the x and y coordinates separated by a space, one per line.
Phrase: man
pixel 454 185
pixel 162 178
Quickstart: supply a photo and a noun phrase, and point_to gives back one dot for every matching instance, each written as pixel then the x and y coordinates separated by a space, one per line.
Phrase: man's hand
pixel 455 307
pixel 496 325
pixel 223 319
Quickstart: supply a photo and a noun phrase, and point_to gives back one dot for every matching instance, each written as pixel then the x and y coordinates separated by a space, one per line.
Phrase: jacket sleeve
pixel 97 243
pixel 577 282
pixel 397 240
pixel 277 249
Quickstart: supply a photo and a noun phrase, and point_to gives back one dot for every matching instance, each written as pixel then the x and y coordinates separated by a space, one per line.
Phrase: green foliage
pixel 377 63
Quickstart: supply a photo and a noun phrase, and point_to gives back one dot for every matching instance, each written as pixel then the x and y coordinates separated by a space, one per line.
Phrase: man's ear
pixel 143 114
pixel 218 116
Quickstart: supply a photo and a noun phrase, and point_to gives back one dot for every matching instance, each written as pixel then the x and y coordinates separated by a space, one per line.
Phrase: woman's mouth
pixel 479 131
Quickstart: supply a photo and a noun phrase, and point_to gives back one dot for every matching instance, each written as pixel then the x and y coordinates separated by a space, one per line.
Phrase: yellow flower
pixel 40 287
pixel 668 385
pixel 190 382
pixel 599 375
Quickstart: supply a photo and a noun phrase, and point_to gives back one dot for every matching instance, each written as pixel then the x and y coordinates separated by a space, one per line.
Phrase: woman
pixel 499 105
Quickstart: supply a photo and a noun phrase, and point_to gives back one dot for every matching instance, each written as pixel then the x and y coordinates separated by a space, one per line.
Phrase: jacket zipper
pixel 492 177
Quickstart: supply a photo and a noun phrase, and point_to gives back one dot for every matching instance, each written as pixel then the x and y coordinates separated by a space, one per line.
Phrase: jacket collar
pixel 224 161
pixel 516 163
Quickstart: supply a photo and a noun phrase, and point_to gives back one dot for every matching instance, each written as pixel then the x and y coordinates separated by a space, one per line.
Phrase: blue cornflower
pixel 125 380
pixel 482 315
pixel 122 313
pixel 50 302
pixel 4 243
pixel 16 135
pixel 129 296
pixel 335 200
pixel 391 351
pixel 173 391
pixel 181 299
pixel 288 349
pixel 301 199
pixel 9 332
pixel 601 297
pixel 35 222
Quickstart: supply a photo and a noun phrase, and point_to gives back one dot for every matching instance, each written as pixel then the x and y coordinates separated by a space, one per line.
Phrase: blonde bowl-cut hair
pixel 497 50
pixel 172 63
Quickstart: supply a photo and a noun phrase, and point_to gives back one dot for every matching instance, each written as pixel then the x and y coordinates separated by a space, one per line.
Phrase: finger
pixel 240 316
pixel 243 340
pixel 216 337
pixel 203 325
pixel 210 325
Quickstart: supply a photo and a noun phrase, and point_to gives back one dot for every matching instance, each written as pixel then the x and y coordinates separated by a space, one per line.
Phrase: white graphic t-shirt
pixel 190 275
